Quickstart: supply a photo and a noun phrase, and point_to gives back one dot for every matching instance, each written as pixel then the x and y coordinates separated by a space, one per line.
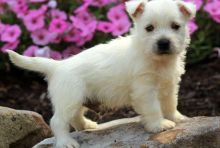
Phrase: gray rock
pixel 198 132
pixel 21 129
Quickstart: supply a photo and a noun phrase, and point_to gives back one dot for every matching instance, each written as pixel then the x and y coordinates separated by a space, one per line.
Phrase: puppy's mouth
pixel 164 52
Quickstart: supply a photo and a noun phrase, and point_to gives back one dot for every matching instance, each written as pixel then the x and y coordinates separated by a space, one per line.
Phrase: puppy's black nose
pixel 163 45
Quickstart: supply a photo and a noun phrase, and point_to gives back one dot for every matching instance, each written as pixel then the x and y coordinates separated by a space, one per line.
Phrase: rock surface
pixel 197 132
pixel 21 129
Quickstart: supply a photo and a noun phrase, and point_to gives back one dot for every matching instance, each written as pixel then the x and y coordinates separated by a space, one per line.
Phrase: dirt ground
pixel 199 93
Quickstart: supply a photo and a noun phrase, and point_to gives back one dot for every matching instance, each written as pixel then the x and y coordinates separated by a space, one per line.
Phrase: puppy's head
pixel 160 26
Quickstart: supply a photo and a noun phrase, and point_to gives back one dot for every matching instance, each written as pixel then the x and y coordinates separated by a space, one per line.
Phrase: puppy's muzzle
pixel 163 46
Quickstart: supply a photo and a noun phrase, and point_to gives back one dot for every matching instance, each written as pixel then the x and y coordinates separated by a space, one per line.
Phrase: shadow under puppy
pixel 142 70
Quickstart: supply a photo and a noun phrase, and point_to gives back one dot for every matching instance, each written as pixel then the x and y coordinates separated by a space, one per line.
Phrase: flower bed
pixel 61 28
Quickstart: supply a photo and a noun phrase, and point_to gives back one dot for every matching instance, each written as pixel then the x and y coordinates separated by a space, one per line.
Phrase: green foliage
pixel 204 39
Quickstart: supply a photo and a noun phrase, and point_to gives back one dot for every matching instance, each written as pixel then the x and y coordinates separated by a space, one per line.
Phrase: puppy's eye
pixel 149 28
pixel 175 26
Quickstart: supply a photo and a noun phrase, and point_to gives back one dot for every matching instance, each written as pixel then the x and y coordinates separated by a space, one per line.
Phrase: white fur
pixel 125 71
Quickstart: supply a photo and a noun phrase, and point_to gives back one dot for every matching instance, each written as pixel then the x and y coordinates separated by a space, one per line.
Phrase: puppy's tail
pixel 115 123
pixel 37 64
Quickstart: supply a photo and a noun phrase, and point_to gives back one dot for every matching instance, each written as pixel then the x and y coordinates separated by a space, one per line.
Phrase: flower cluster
pixel 39 27
pixel 47 25
pixel 9 34
pixel 213 8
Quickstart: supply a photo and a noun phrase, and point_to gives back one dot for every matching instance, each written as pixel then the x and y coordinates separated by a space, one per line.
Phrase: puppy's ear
pixel 187 9
pixel 135 8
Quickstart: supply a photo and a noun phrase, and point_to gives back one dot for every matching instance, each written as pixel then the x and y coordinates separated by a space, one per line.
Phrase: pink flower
pixel 212 8
pixel 11 33
pixel 21 10
pixel 115 1
pixel 117 13
pixel 34 20
pixel 198 3
pixel 2 6
pixel 37 1
pixel 2 10
pixel 41 37
pixel 83 7
pixel 43 9
pixel 87 1
pixel 100 3
pixel 89 37
pixel 85 31
pixel 2 1
pixel 192 27
pixel 105 27
pixel 2 28
pixel 30 50
pixel 57 14
pixel 56 38
pixel 121 27
pixel 86 17
pixel 58 26
pixel 13 3
pixel 73 35
pixel 10 46
pixel 55 55
pixel 96 3
pixel 71 50
pixel 120 20
pixel 83 39
pixel 85 22
pixel 19 7
pixel 90 29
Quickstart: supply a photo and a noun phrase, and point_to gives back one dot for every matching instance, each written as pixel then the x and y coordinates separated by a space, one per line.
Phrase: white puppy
pixel 142 70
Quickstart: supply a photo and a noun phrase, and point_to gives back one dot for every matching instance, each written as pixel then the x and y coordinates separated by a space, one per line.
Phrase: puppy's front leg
pixel 145 102
pixel 169 99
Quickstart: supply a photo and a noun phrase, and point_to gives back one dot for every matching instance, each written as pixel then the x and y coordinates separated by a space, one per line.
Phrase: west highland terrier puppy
pixel 142 70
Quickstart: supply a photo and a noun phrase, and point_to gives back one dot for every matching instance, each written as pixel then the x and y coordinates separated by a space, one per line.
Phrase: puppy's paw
pixel 177 117
pixel 67 143
pixel 159 126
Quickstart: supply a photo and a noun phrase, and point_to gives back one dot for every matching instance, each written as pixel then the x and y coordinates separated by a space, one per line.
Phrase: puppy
pixel 141 70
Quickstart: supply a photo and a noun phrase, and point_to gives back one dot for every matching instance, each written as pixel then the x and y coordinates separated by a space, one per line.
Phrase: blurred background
pixel 61 28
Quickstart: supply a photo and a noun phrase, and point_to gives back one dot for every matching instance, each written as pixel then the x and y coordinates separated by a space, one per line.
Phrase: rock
pixel 21 129
pixel 197 132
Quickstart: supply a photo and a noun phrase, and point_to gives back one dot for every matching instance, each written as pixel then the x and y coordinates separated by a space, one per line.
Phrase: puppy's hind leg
pixel 60 127
pixel 80 122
